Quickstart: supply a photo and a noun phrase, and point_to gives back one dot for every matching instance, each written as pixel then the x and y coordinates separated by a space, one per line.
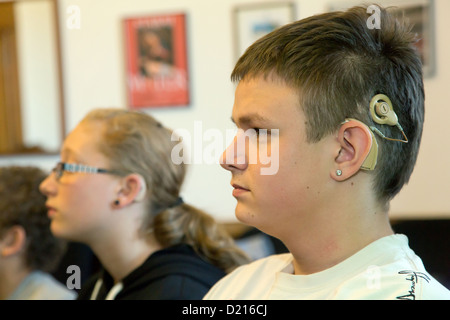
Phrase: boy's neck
pixel 11 277
pixel 316 248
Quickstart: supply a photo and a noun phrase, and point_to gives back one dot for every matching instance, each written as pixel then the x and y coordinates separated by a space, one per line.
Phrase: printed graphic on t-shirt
pixel 412 279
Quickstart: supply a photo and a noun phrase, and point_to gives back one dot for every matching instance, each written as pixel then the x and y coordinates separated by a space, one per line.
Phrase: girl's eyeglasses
pixel 73 167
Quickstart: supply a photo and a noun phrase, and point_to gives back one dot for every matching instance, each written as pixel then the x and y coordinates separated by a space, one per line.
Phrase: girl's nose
pixel 48 186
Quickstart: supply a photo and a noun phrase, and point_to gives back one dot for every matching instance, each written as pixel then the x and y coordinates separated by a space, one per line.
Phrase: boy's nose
pixel 232 158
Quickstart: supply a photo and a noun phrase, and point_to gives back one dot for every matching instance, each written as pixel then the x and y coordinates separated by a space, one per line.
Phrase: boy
pixel 347 103
pixel 28 250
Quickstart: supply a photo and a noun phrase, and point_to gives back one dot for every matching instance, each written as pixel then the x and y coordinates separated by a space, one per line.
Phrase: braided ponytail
pixel 189 225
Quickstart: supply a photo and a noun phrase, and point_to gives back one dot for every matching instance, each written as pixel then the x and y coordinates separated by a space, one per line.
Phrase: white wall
pixel 38 76
pixel 429 189
pixel 94 75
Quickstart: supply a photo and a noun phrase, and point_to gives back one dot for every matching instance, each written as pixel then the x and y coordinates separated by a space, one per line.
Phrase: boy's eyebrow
pixel 250 119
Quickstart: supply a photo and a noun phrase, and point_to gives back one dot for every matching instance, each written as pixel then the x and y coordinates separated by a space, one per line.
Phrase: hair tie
pixel 177 203
pixel 159 209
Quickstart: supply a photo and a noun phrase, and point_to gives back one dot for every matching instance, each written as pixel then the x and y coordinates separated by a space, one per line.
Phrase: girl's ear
pixel 355 140
pixel 132 189
pixel 13 241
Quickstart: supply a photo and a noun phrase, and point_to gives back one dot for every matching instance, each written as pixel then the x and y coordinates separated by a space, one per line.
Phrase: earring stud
pixel 338 173
pixel 117 202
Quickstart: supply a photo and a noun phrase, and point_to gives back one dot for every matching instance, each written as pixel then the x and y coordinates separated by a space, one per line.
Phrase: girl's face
pixel 80 204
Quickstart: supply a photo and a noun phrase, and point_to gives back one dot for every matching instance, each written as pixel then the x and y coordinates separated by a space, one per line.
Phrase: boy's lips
pixel 239 190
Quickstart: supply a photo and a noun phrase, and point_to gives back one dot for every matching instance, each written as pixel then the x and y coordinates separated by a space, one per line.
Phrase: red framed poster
pixel 156 61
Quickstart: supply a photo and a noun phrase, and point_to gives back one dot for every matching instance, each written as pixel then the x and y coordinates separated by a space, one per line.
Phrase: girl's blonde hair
pixel 135 142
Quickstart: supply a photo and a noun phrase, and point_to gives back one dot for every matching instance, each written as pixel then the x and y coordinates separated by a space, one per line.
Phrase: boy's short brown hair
pixel 338 64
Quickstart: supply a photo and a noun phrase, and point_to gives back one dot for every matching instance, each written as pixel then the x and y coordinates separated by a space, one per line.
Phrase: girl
pixel 117 191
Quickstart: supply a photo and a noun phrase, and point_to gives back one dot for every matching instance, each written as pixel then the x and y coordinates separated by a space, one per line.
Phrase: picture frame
pixel 156 61
pixel 252 21
pixel 420 13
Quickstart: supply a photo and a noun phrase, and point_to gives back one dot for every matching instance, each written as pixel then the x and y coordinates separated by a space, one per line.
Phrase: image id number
pixel 247 309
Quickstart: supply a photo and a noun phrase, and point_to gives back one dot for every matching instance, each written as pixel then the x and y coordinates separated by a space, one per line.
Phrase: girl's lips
pixel 50 211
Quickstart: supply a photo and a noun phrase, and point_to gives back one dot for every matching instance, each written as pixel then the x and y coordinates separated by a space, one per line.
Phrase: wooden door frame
pixel 60 89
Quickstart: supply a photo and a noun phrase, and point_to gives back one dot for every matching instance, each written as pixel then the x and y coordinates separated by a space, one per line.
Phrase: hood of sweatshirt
pixel 176 272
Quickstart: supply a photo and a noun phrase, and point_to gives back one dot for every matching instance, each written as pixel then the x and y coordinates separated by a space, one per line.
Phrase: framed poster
pixel 420 16
pixel 253 21
pixel 419 13
pixel 156 61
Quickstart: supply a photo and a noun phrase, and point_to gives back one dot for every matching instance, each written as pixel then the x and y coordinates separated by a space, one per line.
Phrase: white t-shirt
pixel 385 269
pixel 39 285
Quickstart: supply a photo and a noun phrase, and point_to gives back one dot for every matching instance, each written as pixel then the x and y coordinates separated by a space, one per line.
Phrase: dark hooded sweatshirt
pixel 175 273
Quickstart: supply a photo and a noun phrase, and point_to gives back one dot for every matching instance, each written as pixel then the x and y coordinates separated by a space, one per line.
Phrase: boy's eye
pixel 260 131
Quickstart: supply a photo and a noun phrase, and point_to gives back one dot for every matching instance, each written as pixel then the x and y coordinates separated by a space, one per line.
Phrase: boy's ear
pixel 355 142
pixel 12 241
pixel 132 189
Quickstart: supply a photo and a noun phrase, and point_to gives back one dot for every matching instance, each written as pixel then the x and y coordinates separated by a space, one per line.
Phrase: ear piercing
pixel 338 173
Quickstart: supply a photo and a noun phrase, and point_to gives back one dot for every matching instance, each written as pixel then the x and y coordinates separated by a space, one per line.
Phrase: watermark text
pixel 251 146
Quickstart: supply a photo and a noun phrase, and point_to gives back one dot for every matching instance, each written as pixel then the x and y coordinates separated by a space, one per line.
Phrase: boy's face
pixel 278 202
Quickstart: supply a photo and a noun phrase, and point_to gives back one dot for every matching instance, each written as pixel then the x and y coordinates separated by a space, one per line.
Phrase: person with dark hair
pixel 117 190
pixel 343 105
pixel 28 250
